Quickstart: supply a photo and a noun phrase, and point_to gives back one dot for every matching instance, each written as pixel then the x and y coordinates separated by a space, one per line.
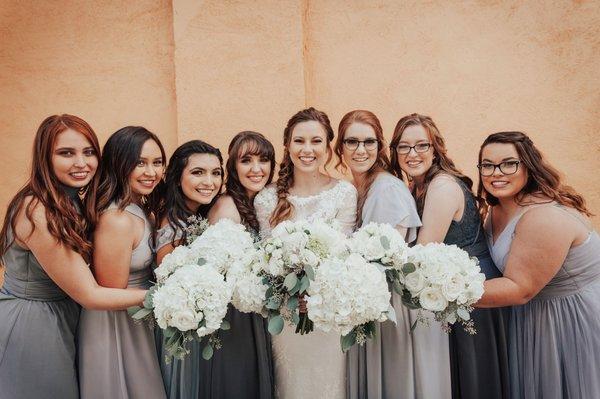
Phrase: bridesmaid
pixel 194 179
pixel 542 240
pixel 45 248
pixel 449 211
pixel 117 356
pixel 243 368
pixel 375 370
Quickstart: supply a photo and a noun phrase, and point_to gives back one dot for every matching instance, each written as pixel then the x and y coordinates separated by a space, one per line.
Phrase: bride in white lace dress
pixel 313 365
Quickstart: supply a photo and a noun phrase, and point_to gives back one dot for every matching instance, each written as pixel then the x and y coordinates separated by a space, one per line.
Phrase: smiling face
pixel 499 184
pixel 308 146
pixel 201 180
pixel 416 162
pixel 362 158
pixel 253 171
pixel 148 170
pixel 74 160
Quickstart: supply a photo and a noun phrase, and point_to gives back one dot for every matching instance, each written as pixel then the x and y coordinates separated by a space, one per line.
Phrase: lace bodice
pixel 336 204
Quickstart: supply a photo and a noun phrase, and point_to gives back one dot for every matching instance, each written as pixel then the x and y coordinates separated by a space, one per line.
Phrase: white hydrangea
pixel 346 294
pixel 380 243
pixel 178 257
pixel 249 293
pixel 192 298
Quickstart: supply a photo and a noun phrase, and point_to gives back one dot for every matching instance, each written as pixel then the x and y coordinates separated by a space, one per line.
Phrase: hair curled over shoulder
pixel 382 163
pixel 543 180
pixel 243 144
pixel 442 163
pixel 284 208
pixel 64 221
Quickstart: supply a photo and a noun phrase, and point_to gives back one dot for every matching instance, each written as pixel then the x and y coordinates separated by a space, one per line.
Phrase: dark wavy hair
pixel 243 144
pixel 173 206
pixel 120 157
pixel 543 180
pixel 65 223
pixel 442 163
pixel 382 163
pixel 284 208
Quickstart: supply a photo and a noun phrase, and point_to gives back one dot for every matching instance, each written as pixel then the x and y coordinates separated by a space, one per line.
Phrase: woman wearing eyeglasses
pixel 477 366
pixel 542 240
pixel 383 367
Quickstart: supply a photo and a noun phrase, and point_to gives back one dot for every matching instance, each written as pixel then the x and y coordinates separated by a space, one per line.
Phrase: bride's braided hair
pixel 284 208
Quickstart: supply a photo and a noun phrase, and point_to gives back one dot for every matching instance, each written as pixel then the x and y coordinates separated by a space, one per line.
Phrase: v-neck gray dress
pixel 554 341
pixel 117 356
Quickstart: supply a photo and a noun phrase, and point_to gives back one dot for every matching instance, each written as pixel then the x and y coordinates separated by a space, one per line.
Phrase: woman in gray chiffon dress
pixel 395 363
pixel 117 356
pixel 549 255
pixel 450 214
pixel 44 248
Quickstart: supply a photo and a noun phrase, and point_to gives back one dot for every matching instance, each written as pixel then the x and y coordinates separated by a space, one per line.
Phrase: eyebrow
pixel 503 160
pixel 418 141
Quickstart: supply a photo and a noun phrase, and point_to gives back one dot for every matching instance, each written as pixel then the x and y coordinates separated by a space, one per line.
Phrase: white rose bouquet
pixel 349 296
pixel 288 264
pixel 443 279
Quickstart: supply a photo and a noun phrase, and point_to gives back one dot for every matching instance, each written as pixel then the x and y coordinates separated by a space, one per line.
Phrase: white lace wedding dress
pixel 313 365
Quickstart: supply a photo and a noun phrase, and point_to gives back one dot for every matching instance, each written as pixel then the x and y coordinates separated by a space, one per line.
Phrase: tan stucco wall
pixel 208 69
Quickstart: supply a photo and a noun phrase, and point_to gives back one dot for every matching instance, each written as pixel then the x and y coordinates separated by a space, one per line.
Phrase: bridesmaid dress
pixel 38 325
pixel 242 368
pixel 554 344
pixel 117 356
pixel 478 363
pixel 310 366
pixel 398 363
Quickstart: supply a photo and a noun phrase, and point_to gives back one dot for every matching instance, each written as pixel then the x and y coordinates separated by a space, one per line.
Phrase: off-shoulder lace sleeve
pixel 264 204
pixel 346 215
pixel 389 201
pixel 165 236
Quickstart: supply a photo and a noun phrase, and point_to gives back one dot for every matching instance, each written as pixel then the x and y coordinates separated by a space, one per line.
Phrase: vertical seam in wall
pixel 174 58
pixel 305 50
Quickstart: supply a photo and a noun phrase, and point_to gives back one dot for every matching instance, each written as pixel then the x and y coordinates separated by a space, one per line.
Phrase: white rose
pixel 453 287
pixel 432 299
pixel 414 282
pixel 184 320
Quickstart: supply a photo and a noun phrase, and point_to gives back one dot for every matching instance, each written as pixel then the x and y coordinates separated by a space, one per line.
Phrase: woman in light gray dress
pixel 117 356
pixel 44 248
pixel 395 363
pixel 549 255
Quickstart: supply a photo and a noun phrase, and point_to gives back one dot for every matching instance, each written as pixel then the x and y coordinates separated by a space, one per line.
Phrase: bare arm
pixel 224 208
pixel 443 201
pixel 542 240
pixel 114 239
pixel 68 269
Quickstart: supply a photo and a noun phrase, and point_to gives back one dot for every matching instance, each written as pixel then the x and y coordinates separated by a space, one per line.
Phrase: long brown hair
pixel 382 163
pixel 121 154
pixel 65 223
pixel 441 161
pixel 543 180
pixel 284 208
pixel 243 144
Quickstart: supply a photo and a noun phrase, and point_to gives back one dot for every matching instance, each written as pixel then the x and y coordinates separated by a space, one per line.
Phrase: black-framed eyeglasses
pixel 352 144
pixel 506 167
pixel 420 148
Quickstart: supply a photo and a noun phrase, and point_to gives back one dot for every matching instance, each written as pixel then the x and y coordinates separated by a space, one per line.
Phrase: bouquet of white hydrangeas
pixel 290 257
pixel 443 279
pixel 349 296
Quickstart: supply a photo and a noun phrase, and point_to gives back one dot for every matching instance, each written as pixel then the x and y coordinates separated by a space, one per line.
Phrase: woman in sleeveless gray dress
pixel 549 255
pixel 449 211
pixel 45 268
pixel 396 363
pixel 117 356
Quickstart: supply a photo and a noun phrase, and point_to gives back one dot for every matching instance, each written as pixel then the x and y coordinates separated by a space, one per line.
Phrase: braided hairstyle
pixel 284 208
pixel 243 144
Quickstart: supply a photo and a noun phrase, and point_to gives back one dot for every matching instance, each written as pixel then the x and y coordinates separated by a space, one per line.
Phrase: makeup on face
pixel 149 169
pixel 201 180
pixel 415 152
pixel 360 148
pixel 508 176
pixel 308 146
pixel 253 171
pixel 74 159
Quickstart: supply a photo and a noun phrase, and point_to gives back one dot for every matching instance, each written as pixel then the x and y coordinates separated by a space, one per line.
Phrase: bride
pixel 310 365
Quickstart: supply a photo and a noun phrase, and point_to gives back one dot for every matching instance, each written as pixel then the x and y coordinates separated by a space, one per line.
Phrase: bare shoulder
pixel 116 220
pixel 444 186
pixel 224 208
pixel 24 226
pixel 547 222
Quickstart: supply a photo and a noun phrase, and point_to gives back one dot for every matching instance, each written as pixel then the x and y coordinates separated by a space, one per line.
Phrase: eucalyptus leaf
pixel 201 262
pixel 225 325
pixel 275 325
pixel 290 281
pixel 169 332
pixel 207 352
pixel 133 310
pixel 310 272
pixel 292 303
pixel 348 340
pixel 385 242
pixel 295 318
pixel 149 300
pixel 304 284
pixel 140 314
pixel 463 314
pixel 273 303
pixel 296 288
pixel 397 287
pixel 408 268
